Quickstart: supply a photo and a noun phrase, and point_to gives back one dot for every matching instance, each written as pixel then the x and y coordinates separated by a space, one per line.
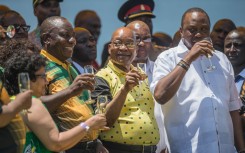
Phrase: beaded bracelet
pixel 185 62
pixel 183 66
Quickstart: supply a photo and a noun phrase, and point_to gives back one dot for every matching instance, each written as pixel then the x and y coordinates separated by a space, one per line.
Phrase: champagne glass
pixel 210 67
pixel 24 85
pixel 89 69
pixel 142 69
pixel 101 103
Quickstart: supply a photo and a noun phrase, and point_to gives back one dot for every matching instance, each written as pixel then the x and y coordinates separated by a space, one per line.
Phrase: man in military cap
pixel 137 10
pixel 42 10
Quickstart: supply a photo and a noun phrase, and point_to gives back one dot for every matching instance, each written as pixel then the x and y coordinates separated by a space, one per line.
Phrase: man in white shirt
pixel 200 104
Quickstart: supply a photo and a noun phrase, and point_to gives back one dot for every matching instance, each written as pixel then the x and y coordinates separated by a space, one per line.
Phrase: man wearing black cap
pixel 137 10
pixel 42 10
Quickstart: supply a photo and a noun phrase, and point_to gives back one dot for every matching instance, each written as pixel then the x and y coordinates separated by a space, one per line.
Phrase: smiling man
pixel 65 96
pixel 42 10
pixel 130 115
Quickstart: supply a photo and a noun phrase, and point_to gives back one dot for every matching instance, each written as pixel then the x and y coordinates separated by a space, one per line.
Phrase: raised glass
pixel 89 69
pixel 142 69
pixel 101 103
pixel 24 85
pixel 210 67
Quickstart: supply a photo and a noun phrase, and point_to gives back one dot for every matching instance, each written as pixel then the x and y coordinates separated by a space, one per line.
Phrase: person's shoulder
pixel 168 53
pixel 103 72
pixel 37 104
pixel 221 55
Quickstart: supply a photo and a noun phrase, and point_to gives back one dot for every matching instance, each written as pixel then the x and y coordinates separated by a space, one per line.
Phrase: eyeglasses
pixel 17 27
pixel 44 76
pixel 145 39
pixel 129 45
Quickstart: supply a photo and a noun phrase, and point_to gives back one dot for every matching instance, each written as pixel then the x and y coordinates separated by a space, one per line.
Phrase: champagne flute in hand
pixel 89 69
pixel 210 67
pixel 101 103
pixel 24 85
pixel 142 69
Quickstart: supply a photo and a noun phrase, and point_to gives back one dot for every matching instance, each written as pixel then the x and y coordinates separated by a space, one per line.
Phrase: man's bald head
pixel 122 48
pixel 137 25
pixel 123 32
pixel 143 38
pixel 51 23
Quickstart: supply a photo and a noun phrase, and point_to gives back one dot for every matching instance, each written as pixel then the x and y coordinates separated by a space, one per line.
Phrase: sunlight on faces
pixel 62 39
pixel 195 28
pixel 123 47
pixel 234 47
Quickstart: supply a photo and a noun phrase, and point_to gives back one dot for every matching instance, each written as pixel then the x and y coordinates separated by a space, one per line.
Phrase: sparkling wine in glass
pixel 142 69
pixel 210 67
pixel 89 69
pixel 101 103
pixel 24 85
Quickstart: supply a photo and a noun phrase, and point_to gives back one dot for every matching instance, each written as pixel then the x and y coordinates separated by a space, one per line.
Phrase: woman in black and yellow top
pixel 43 135
pixel 12 128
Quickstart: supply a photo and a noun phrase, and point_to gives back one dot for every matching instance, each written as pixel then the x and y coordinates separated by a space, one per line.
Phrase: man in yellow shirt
pixel 130 115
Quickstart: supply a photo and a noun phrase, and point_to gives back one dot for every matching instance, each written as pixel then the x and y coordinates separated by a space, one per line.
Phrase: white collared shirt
pixel 157 111
pixel 197 119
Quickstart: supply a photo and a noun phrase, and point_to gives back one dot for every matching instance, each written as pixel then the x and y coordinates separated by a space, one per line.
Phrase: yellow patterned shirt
pixel 136 124
pixel 60 75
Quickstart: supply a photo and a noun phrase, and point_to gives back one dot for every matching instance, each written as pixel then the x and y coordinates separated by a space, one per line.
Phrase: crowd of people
pixel 188 97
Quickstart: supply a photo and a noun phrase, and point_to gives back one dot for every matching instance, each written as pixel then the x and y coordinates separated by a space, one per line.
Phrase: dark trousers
pixel 113 147
pixel 83 147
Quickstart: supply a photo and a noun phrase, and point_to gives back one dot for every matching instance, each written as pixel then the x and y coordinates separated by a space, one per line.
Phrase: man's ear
pixel 109 48
pixel 35 11
pixel 45 38
pixel 181 32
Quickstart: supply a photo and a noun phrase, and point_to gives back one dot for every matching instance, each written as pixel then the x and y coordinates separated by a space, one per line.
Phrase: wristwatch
pixel 85 126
